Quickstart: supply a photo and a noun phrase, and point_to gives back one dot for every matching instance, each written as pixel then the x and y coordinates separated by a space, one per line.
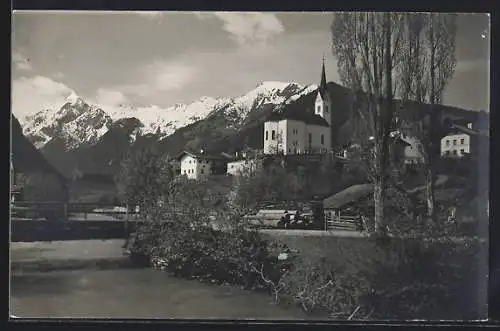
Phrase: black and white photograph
pixel 253 166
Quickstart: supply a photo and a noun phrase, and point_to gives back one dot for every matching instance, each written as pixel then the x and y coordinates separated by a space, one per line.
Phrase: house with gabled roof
pixel 200 165
pixel 461 141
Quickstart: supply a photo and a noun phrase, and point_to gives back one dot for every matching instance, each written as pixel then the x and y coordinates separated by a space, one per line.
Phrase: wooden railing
pixel 337 221
pixel 63 211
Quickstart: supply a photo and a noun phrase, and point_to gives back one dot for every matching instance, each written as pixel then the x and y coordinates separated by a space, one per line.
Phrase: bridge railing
pixel 67 211
pixel 48 221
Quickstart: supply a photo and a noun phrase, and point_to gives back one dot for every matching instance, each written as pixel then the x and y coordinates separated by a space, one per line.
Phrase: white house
pixel 200 166
pixel 300 131
pixel 458 142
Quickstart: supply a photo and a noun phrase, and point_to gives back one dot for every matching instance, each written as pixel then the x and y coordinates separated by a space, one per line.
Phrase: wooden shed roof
pixel 350 194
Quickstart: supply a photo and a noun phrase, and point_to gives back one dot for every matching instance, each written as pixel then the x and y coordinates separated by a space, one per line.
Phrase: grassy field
pixel 437 281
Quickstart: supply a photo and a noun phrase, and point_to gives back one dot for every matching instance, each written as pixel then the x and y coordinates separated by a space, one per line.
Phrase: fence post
pixel 65 211
pixel 126 226
pixel 326 220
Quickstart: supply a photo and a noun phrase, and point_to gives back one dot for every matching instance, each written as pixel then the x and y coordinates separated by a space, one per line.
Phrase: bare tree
pixel 368 47
pixel 428 66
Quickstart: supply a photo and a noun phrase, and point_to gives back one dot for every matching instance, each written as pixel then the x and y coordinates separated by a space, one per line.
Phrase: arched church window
pixel 273 135
pixel 318 109
pixel 322 139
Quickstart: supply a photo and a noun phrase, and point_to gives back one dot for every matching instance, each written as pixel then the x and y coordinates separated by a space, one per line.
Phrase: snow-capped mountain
pixel 77 122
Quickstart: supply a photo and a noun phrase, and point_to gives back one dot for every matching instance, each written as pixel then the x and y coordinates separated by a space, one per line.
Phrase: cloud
pixel 31 95
pixel 21 62
pixel 160 76
pixel 170 76
pixel 110 97
pixel 151 82
pixel 247 28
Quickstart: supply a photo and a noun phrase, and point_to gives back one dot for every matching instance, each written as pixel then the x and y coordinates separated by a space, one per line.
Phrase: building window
pixel 454 152
pixel 310 138
pixel 322 139
pixel 318 109
pixel 447 153
pixel 267 135
pixel 326 109
pixel 202 171
pixel 273 135
pixel 462 141
pixel 454 142
pixel 184 172
pixel 189 161
pixel 447 143
pixel 289 150
pixel 462 151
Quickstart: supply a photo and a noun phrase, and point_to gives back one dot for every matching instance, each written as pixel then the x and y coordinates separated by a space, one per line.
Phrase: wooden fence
pixel 334 220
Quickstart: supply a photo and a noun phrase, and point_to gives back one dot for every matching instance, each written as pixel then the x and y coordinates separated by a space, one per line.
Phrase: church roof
pixel 298 114
pixel 323 91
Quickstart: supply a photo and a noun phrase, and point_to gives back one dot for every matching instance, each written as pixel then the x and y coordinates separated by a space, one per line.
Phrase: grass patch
pixel 389 279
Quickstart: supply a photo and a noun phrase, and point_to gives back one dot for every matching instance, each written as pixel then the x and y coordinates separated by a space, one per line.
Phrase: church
pixel 301 131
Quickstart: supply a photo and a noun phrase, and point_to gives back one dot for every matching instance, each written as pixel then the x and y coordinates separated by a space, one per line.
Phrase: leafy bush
pixel 180 238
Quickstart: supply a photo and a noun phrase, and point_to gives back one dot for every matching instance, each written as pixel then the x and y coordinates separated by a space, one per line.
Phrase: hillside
pixel 25 157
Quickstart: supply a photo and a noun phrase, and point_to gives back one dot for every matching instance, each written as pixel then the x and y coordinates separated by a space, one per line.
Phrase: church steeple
pixel 323 104
pixel 322 85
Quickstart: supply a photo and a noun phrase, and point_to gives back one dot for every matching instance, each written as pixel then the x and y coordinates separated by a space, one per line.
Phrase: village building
pixel 243 167
pixel 199 166
pixel 461 141
pixel 301 131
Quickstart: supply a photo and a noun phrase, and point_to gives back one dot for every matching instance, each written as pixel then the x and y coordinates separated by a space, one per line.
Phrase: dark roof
pixel 297 113
pixel 323 77
pixel 350 194
pixel 199 155
pixel 456 128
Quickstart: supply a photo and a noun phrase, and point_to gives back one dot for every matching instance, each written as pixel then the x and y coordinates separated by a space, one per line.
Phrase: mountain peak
pixel 74 98
pixel 274 85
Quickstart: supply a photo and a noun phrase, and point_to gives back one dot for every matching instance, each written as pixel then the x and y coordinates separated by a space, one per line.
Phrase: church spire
pixel 322 86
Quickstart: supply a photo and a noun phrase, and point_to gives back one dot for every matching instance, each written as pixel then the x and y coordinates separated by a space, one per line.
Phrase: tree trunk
pixel 378 195
pixel 429 193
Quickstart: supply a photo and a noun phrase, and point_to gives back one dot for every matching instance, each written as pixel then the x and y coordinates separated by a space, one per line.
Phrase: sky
pixel 164 58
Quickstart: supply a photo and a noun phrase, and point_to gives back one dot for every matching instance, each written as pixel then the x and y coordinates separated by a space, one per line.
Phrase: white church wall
pixel 316 131
pixel 296 134
pixel 270 144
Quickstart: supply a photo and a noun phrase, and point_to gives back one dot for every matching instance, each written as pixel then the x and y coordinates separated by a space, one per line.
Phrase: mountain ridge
pixel 81 123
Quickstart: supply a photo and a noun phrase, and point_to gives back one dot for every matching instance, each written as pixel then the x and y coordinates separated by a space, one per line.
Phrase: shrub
pixel 179 238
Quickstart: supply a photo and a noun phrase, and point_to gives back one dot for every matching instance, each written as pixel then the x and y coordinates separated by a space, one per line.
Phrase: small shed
pixel 334 204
